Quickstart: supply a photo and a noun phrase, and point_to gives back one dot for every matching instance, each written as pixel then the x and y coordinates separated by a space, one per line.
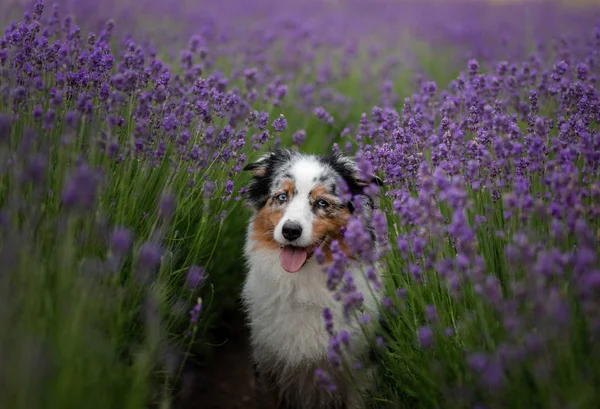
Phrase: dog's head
pixel 297 203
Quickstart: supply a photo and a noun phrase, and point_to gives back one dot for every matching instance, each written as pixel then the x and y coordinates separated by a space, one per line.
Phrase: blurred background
pixel 344 56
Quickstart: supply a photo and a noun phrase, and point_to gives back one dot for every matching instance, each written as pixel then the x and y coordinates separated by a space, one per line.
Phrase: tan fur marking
pixel 268 217
pixel 328 228
pixel 264 224
pixel 319 191
pixel 260 172
pixel 288 187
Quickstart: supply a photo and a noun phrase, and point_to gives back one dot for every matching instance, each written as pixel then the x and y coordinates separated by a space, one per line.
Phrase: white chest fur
pixel 285 310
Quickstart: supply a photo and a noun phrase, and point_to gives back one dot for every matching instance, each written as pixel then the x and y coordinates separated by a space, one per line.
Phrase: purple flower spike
pixel 280 124
pixel 195 277
pixel 425 337
pixel 323 115
pixel 80 189
pixel 487 369
pixel 38 9
pixel 120 241
pixel 328 317
pixel 431 313
pixel 38 112
pixel 325 380
pixel 195 312
pixel 166 204
pixel 149 256
pixel 299 137
pixel 473 67
pixel 263 119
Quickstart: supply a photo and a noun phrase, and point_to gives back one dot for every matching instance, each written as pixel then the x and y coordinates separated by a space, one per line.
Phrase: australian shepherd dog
pixel 296 209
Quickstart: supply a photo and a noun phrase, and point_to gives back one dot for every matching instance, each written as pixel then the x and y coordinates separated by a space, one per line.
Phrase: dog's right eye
pixel 282 197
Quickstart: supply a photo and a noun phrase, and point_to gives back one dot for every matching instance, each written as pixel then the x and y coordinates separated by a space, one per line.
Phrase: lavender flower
pixel 195 276
pixel 358 239
pixel 325 380
pixel 328 317
pixel 121 240
pixel 299 137
pixel 166 204
pixel 430 313
pixel 195 311
pixel 280 124
pixel 80 188
pixel 263 118
pixel 323 115
pixel 425 337
pixel 491 187
pixel 148 259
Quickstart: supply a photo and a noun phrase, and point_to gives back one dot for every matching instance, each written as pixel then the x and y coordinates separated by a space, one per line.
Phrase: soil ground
pixel 227 381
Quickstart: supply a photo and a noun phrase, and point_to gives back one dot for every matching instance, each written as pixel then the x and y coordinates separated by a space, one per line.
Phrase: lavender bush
pixel 123 129
pixel 489 230
pixel 116 178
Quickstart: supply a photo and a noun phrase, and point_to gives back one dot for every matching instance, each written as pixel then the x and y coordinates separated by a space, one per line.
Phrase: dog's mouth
pixel 293 258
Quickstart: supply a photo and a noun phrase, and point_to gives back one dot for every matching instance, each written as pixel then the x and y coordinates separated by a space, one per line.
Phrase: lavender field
pixel 124 128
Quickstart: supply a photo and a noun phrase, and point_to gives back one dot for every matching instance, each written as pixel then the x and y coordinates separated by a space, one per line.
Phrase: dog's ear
pixel 259 168
pixel 269 159
pixel 373 180
pixel 262 172
pixel 360 180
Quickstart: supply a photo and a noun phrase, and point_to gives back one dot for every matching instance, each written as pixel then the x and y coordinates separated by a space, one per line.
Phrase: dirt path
pixel 227 382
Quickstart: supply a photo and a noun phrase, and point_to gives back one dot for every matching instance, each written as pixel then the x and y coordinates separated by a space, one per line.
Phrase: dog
pixel 296 208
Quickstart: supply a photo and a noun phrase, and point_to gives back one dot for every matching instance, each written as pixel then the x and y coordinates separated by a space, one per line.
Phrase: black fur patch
pixel 273 163
pixel 260 185
pixel 347 171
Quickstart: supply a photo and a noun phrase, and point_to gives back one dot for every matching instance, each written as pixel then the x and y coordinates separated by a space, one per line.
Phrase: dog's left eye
pixel 322 203
pixel 282 197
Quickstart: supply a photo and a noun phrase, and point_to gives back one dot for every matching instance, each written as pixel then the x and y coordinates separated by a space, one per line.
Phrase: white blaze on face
pixel 306 173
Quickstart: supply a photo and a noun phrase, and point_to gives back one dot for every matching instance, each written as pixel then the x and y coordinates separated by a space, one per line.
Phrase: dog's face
pixel 297 206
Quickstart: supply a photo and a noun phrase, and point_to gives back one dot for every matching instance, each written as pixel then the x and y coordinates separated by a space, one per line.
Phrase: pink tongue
pixel 292 258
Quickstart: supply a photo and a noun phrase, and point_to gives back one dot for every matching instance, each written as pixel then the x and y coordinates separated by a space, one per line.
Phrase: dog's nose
pixel 291 230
